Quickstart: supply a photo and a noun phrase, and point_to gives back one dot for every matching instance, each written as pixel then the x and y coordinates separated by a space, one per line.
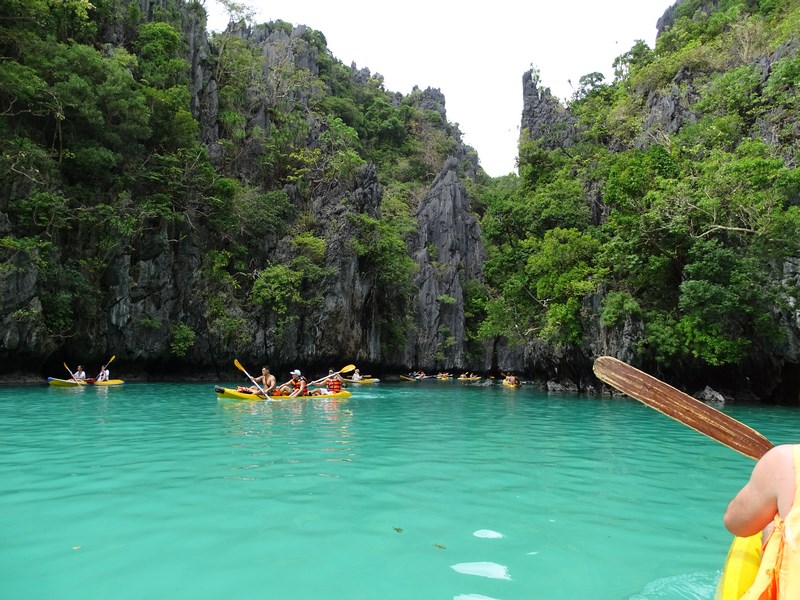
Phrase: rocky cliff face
pixel 159 283
pixel 543 116
pixel 449 252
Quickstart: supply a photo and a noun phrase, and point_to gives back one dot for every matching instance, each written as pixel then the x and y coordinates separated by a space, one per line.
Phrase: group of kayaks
pixel 469 379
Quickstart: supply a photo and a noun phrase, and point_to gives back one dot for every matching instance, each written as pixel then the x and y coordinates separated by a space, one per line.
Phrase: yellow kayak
pixel 362 381
pixel 741 566
pixel 232 394
pixel 512 385
pixel 73 383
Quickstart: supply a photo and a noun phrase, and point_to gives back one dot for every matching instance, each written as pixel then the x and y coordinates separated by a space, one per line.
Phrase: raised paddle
pixel 345 369
pixel 71 374
pixel 105 365
pixel 680 406
pixel 243 370
pixel 744 553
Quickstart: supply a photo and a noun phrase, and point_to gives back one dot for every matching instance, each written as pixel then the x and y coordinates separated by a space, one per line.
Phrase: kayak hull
pixel 69 383
pixel 741 566
pixel 232 394
pixel 362 381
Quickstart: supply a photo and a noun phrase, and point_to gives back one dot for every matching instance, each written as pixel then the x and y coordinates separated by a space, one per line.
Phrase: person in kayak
pixel 296 386
pixel 80 374
pixel 103 375
pixel 333 384
pixel 770 503
pixel 356 375
pixel 266 379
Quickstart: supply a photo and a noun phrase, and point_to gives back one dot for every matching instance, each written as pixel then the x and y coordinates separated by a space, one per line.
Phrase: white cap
pixel 296 372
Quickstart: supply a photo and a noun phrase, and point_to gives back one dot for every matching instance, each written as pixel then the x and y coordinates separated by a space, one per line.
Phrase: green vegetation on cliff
pixel 270 173
pixel 682 223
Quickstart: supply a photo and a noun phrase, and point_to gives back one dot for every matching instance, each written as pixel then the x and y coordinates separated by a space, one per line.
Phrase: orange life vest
pixel 779 573
pixel 333 385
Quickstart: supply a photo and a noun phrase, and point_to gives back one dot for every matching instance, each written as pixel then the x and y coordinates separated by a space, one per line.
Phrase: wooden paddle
pixel 71 374
pixel 680 406
pixel 243 370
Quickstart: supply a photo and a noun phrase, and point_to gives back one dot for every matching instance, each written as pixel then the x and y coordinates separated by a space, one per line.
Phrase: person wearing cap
pixel 297 386
pixel 356 375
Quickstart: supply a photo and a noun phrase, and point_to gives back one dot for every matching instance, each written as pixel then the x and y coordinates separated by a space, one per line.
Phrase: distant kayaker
pixel 103 375
pixel 79 374
pixel 770 502
pixel 297 386
pixel 356 375
pixel 266 379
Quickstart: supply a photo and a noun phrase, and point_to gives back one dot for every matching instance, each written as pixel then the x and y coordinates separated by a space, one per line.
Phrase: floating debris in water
pixel 483 569
pixel 487 533
pixel 398 529
pixel 439 546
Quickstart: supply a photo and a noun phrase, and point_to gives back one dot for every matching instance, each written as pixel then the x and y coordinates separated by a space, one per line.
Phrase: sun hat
pixel 296 372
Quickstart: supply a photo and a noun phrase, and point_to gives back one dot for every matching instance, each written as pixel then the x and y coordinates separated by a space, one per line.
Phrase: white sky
pixel 475 53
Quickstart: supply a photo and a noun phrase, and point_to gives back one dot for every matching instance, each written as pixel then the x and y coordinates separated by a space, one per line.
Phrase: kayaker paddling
pixel 296 386
pixel 333 384
pixel 266 379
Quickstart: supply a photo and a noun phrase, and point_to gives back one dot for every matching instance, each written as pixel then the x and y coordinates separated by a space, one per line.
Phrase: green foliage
pixel 618 306
pixel 182 338
pixel 382 251
pixel 277 288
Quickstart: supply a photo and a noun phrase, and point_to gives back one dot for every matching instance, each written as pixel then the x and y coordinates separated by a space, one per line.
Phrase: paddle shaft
pixel 680 406
pixel 339 372
pixel 243 370
pixel 71 374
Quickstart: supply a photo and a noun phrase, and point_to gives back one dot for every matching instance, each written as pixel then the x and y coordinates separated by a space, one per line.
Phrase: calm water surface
pixel 427 490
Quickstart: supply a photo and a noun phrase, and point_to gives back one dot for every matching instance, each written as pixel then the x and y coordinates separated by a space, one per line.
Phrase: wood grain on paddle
pixel 681 407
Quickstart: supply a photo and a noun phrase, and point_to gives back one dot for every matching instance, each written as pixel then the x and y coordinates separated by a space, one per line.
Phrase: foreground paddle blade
pixel 347 369
pixel 681 407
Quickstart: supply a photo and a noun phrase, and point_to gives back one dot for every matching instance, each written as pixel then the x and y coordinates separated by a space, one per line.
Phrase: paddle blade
pixel 110 360
pixel 347 369
pixel 239 365
pixel 680 406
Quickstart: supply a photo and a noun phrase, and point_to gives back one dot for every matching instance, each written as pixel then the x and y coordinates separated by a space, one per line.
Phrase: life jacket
pixel 333 385
pixel 298 383
pixel 778 576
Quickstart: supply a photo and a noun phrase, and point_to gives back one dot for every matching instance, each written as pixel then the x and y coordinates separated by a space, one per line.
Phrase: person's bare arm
pixel 756 504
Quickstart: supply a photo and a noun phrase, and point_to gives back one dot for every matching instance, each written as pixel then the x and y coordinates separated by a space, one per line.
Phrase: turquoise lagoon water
pixel 427 490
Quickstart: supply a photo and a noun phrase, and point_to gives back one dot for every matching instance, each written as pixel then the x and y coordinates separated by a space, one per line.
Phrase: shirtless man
pixel 266 379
